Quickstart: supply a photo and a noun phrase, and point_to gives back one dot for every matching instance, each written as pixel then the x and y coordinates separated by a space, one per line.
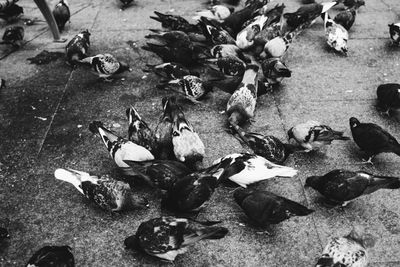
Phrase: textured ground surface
pixel 45 111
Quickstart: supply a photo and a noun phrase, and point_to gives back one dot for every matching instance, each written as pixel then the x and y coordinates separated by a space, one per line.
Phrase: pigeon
pixel 307 14
pixel 389 98
pixel 218 2
pixel 216 12
pixel 174 46
pixel 190 192
pixel 394 30
pixel 372 139
pixel 78 47
pixel 187 144
pixel 163 131
pixel 229 65
pixel 277 47
pixel 235 21
pixel 107 193
pixel 61 14
pixel 105 65
pixel 125 3
pixel 162 173
pixel 349 251
pixel 346 17
pixel 167 237
pixel 274 70
pixel 336 35
pixel 169 71
pixel 14 36
pixel 312 135
pixel 4 233
pixel 265 208
pixel 138 131
pixel 2 83
pixel 215 33
pixel 228 50
pixel 245 38
pixel 175 23
pixel 52 256
pixel 9 11
pixel 192 87
pixel 268 146
pixel 119 148
pixel 351 3
pixel 341 186
pixel 245 169
pixel 242 103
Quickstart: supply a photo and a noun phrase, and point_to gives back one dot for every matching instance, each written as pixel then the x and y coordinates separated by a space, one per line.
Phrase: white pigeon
pixel 336 35
pixel 245 169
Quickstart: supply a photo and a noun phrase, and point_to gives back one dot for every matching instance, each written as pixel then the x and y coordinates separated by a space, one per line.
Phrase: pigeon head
pixel 85 33
pixel 132 242
pixel 359 235
pixel 312 181
pixel 290 133
pixel 4 233
pixel 2 83
pixel 240 194
pixel 138 202
pixel 354 122
pixel 123 67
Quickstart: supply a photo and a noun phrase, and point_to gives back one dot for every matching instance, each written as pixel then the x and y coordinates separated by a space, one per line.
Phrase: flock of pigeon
pixel 240 52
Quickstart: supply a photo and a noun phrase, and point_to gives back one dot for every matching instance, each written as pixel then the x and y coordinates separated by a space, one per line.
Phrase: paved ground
pixel 45 111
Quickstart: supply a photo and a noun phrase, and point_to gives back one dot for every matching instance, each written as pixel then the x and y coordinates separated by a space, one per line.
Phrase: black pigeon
pixel 9 11
pixel 78 47
pixel 268 146
pixel 138 130
pixel 265 208
pixel 106 65
pixel 351 3
pixel 341 186
pixel 107 193
pixel 192 191
pixel 52 256
pixel 169 71
pixel 174 46
pixel 162 173
pixel 234 23
pixel 125 3
pixel 215 33
pixel 347 251
pixel 274 70
pixel 372 139
pixel 347 17
pixel 306 14
pixel 61 14
pixel 167 237
pixel 175 23
pixel 14 36
pixel 4 233
pixel 389 98
pixel 394 30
